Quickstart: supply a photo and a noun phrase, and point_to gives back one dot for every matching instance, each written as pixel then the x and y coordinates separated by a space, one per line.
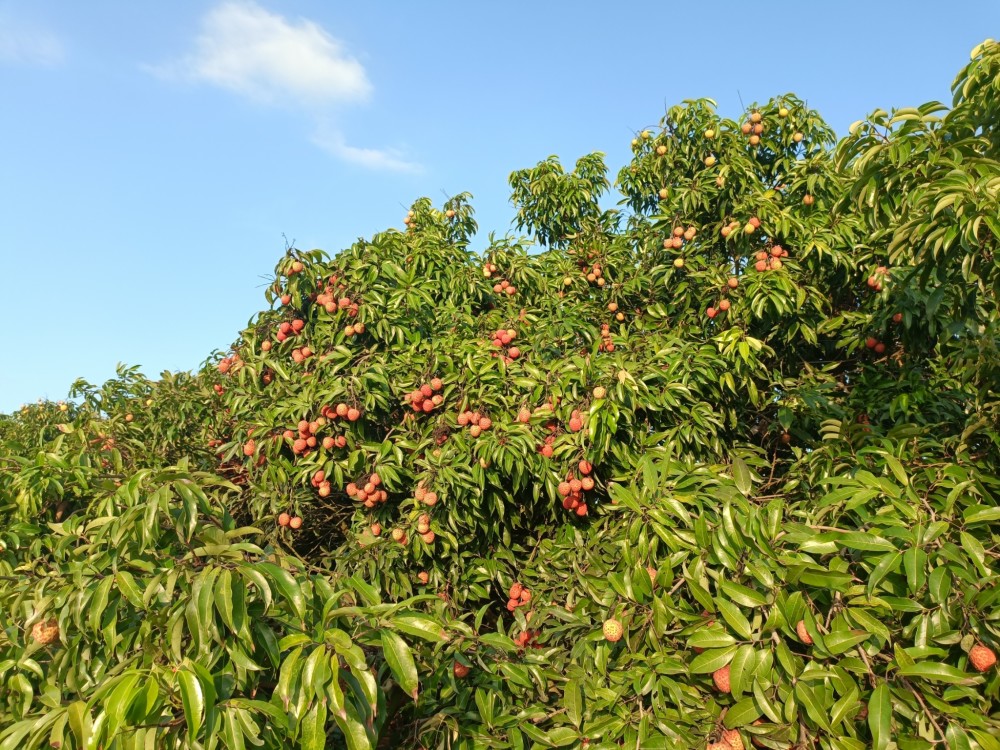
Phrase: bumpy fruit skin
pixel 721 679
pixel 717 746
pixel 803 633
pixel 45 632
pixel 732 739
pixel 613 630
pixel 460 670
pixel 982 657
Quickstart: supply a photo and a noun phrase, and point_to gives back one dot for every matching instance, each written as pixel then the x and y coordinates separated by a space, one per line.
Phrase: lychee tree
pixel 719 465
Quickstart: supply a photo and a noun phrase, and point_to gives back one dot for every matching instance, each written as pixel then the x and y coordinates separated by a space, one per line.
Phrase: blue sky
pixel 153 155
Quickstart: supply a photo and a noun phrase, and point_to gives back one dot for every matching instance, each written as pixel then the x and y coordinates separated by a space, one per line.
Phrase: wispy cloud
pixel 23 43
pixel 388 159
pixel 262 55
pixel 270 59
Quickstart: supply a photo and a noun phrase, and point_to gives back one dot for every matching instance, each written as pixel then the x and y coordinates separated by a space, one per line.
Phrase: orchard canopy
pixel 718 466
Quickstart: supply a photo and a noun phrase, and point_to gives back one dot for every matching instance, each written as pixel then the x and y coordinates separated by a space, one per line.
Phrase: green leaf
pixel 287 587
pixel 573 702
pixel 711 660
pixel 937 672
pixel 741 475
pixel 840 641
pixel 744 713
pixel 732 615
pixel 420 626
pixel 193 701
pixel 400 661
pixel 741 670
pixel 880 717
pixel 314 727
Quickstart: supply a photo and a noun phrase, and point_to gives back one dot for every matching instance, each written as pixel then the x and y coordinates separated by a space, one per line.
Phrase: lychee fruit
pixel 721 679
pixel 803 633
pixel 982 657
pixel 613 630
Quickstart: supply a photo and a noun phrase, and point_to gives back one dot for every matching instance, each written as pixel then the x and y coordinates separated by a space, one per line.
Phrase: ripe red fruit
pixel 982 657
pixel 723 305
pixel 353 415
pixel 547 451
pixel 575 424
pixel 880 348
pixel 437 384
pixel 711 312
pixel 733 282
pixel 760 265
pixel 329 442
pixel 295 522
pixel 376 529
pixel 564 488
pixel 283 519
pixel 613 630
pixel 249 447
pixel 460 670
pixel 584 467
pixel 897 318
pixel 721 679
pixel 423 576
pixel 265 346
pixel 298 324
pixel 803 634
pixel 581 509
pixel 515 590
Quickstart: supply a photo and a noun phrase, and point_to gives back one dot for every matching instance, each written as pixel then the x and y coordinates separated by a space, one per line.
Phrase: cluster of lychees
pixel 425 398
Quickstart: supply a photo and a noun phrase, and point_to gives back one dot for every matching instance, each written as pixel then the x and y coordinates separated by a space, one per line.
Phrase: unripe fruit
pixel 749 228
pixel 981 657
pixel 613 630
pixel 661 150
pixel 721 679
pixel 797 137
pixel 664 194
pixel 808 200
pixel 710 134
pixel 709 161
pixel 678 263
pixel 803 634
pixel 783 112
pixel 600 392
pixel 755 117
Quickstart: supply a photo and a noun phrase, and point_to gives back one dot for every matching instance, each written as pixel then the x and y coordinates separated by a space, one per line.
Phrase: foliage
pixel 751 416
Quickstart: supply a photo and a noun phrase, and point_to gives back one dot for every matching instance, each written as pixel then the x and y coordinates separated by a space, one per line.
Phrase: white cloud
pixel 25 44
pixel 373 158
pixel 247 49
pixel 265 57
